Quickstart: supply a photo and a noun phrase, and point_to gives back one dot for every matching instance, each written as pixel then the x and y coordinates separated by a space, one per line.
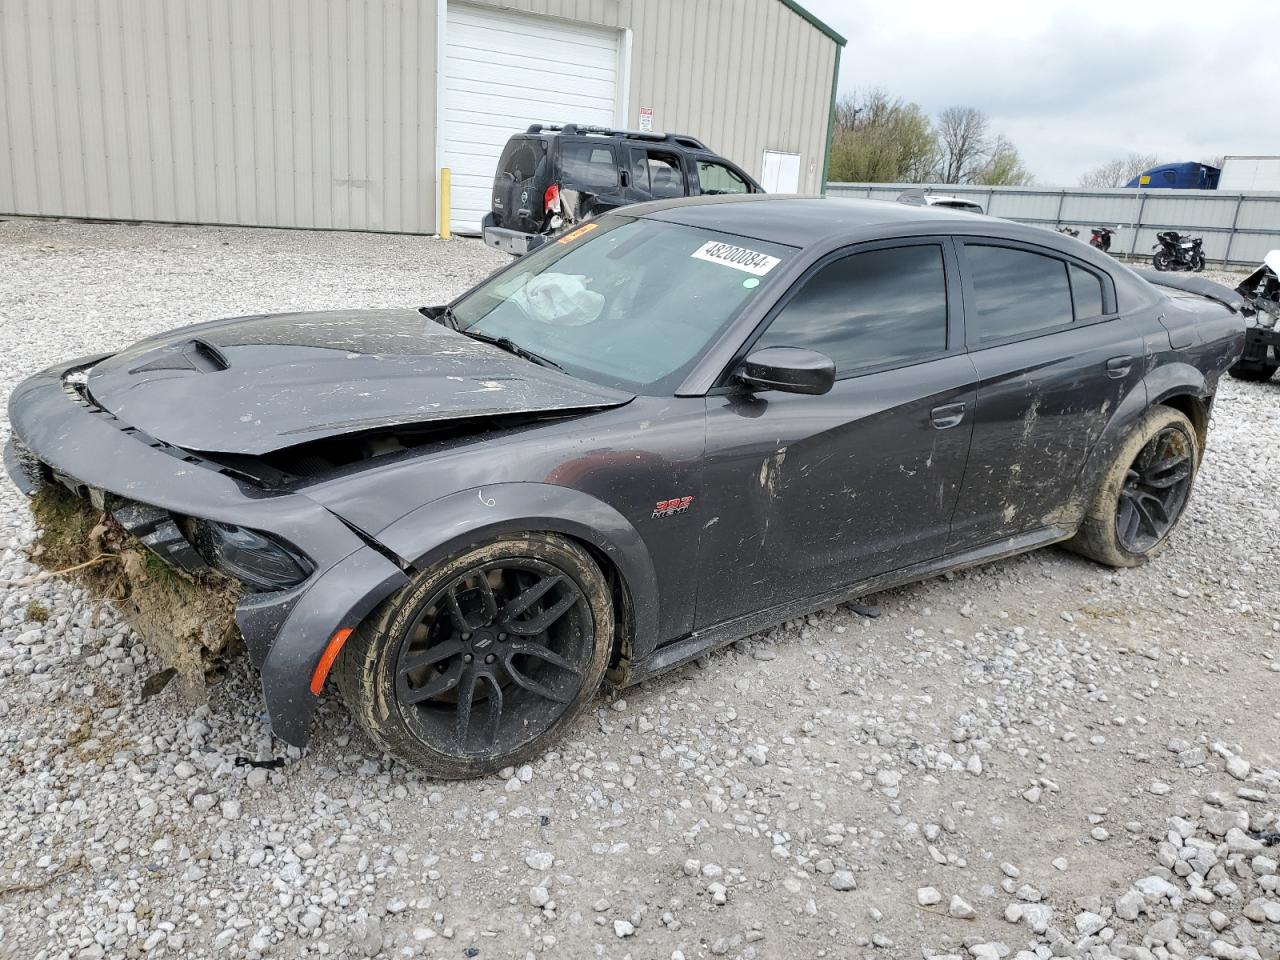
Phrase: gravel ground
pixel 1036 758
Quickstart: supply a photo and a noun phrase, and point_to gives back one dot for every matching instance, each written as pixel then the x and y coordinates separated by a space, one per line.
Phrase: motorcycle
pixel 1100 237
pixel 1070 232
pixel 1177 252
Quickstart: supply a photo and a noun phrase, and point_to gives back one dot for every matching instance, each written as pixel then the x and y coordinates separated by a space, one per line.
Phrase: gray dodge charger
pixel 671 427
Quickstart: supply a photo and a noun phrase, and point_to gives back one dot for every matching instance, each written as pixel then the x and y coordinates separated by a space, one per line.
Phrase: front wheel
pixel 482 662
pixel 1143 494
pixel 1197 262
pixel 1162 260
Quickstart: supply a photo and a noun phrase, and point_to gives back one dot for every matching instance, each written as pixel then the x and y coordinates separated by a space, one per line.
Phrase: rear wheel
pixel 1162 260
pixel 1143 494
pixel 482 662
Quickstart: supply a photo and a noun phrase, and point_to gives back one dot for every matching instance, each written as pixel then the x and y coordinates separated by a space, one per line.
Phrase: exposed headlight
pixel 257 560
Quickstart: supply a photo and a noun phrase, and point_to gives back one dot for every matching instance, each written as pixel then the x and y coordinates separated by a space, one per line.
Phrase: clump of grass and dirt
pixel 189 620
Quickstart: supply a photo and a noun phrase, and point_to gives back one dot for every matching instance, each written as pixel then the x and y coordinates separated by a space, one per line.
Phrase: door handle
pixel 1118 367
pixel 947 415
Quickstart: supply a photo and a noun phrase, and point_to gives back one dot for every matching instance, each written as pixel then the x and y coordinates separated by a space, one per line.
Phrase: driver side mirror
pixel 789 369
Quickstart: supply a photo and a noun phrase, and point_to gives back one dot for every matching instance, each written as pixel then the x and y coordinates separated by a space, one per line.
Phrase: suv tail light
pixel 551 199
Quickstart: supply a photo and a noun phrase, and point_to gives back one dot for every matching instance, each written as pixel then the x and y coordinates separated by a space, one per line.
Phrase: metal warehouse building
pixel 340 113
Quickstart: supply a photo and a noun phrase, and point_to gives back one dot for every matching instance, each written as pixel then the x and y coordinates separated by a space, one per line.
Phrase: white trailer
pixel 1250 174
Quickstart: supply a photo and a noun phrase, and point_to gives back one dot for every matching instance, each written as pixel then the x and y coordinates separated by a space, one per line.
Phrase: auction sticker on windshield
pixel 740 258
pixel 575 234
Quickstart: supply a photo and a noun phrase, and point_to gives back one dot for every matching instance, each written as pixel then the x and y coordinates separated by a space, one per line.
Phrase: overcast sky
pixel 1074 83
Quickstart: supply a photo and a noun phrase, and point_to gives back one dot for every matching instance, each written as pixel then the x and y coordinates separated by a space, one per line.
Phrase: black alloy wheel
pixel 1155 491
pixel 484 660
pixel 494 656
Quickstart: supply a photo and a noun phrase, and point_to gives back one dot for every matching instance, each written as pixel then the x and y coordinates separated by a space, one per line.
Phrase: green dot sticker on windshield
pixel 751 282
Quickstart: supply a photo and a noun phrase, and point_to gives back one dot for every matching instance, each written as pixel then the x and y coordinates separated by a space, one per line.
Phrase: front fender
pixel 444 527
pixel 341 597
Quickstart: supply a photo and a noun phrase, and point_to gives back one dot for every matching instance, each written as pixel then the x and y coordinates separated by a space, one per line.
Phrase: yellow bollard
pixel 446 184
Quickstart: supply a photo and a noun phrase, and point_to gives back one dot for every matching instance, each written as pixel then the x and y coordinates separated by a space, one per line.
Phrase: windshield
pixel 625 302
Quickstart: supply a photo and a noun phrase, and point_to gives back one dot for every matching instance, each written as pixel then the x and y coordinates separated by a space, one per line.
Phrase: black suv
pixel 551 177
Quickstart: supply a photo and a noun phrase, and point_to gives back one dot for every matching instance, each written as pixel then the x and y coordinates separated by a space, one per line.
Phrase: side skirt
pixel 701 642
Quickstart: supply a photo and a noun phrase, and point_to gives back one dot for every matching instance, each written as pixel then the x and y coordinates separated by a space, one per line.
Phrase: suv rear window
pixel 588 165
pixel 522 158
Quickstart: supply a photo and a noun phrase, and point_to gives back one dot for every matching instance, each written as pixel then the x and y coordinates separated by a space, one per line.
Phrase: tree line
pixel 879 138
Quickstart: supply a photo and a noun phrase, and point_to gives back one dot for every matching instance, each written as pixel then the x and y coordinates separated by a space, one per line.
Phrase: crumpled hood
pixel 252 385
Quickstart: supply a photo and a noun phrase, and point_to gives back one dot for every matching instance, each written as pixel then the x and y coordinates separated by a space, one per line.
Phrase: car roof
pixel 803 221
pixel 807 222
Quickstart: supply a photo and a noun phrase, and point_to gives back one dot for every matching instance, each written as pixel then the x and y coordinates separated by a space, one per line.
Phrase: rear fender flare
pixel 1174 379
pixel 1183 380
pixel 445 527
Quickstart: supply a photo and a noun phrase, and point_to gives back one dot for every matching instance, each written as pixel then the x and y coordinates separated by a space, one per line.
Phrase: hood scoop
pixel 195 356
pixel 256 385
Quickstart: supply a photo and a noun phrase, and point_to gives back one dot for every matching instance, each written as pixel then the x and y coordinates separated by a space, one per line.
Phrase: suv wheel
pixel 482 662
pixel 1143 494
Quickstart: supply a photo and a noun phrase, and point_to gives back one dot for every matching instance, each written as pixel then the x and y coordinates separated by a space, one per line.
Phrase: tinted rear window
pixel 588 166
pixel 522 159
pixel 1015 292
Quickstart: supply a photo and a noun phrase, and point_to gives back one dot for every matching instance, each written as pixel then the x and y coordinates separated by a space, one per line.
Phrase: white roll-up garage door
pixel 504 71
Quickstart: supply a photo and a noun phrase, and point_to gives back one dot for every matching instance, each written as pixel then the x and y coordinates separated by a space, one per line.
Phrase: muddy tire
pixel 483 661
pixel 1143 493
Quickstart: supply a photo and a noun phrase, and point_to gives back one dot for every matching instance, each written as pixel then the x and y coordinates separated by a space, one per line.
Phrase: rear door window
pixel 588 166
pixel 657 174
pixel 1015 293
pixel 869 309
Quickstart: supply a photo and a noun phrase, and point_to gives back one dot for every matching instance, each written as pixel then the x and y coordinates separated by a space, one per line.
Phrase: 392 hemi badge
pixel 667 508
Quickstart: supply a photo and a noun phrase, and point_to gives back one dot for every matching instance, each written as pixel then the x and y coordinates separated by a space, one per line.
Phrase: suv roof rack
pixel 579 129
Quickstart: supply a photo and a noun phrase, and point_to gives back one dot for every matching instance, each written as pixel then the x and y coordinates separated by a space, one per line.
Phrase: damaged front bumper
pixel 60 436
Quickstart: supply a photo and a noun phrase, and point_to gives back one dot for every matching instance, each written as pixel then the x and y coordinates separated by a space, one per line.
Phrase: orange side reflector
pixel 326 659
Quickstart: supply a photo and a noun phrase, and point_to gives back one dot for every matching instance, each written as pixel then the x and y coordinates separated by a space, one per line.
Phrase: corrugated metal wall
pixel 1238 229
pixel 744 76
pixel 321 113
pixel 303 113
pixel 748 80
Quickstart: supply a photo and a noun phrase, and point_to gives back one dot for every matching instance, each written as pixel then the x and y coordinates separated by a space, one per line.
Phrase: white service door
pixel 504 71
pixel 781 172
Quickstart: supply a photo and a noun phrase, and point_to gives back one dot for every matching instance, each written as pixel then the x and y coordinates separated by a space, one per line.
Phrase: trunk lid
pixel 255 385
